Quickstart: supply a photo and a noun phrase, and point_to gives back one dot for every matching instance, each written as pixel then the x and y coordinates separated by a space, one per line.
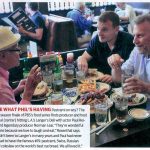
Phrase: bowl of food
pixel 139 114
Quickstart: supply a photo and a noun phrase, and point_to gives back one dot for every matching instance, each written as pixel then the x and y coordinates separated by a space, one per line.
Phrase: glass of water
pixel 80 75
pixel 101 108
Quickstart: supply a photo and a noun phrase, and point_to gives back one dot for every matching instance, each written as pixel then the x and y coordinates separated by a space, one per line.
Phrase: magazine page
pixel 96 96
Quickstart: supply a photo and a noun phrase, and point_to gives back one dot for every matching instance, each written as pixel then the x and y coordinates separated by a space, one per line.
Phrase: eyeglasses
pixel 17 49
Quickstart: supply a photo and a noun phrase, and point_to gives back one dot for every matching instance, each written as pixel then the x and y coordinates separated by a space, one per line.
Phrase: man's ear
pixel 117 29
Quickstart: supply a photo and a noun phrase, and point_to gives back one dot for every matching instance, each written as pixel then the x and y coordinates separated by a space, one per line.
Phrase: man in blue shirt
pixel 40 32
pixel 81 23
pixel 107 42
pixel 139 61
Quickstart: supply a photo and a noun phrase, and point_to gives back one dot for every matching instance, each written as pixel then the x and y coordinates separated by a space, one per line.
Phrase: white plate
pixel 118 91
pixel 92 110
pixel 138 114
pixel 101 86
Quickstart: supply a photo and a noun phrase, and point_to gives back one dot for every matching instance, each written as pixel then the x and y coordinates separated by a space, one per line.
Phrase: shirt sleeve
pixel 7 97
pixel 40 22
pixel 128 66
pixel 84 23
pixel 91 50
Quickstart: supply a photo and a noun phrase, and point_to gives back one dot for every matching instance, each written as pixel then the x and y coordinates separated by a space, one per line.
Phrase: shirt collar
pixel 4 73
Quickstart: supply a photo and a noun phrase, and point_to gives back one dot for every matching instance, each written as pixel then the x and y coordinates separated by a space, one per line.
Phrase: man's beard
pixel 144 50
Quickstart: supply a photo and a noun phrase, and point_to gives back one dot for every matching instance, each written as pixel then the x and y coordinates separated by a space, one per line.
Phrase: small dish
pixel 139 114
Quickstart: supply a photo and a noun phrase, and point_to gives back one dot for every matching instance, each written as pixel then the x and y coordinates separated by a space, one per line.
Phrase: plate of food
pixel 92 86
pixel 139 114
pixel 41 92
pixel 91 98
pixel 93 74
pixel 133 99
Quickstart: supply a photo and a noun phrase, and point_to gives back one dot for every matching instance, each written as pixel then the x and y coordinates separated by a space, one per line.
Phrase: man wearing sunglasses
pixel 9 58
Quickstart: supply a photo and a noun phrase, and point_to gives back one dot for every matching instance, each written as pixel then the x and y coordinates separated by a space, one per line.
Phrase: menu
pixel 20 18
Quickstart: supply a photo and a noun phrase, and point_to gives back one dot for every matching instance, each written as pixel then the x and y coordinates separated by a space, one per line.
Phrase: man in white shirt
pixel 139 61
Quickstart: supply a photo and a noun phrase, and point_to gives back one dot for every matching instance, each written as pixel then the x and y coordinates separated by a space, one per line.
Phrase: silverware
pixel 98 128
pixel 109 123
pixel 109 116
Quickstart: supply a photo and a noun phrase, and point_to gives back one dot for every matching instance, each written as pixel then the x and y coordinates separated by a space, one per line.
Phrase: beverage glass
pixel 80 75
pixel 57 81
pixel 121 106
pixel 69 73
pixel 55 99
pixel 46 69
pixel 101 108
pixel 124 76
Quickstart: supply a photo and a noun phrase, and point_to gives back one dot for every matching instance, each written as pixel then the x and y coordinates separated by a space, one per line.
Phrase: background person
pixel 108 41
pixel 139 61
pixel 9 58
pixel 40 34
pixel 81 23
pixel 126 13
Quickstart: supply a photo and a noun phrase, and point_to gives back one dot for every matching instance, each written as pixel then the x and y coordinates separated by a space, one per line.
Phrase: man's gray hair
pixel 142 18
pixel 77 5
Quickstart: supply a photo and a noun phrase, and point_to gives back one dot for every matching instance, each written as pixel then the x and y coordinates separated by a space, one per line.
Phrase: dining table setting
pixel 114 116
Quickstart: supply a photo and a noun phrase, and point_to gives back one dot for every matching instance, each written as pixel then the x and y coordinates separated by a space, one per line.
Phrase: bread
pixel 41 89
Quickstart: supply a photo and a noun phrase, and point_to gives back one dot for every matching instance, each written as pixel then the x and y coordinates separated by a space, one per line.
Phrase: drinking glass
pixel 46 69
pixel 124 76
pixel 80 75
pixel 69 73
pixel 121 107
pixel 57 81
pixel 55 99
pixel 101 108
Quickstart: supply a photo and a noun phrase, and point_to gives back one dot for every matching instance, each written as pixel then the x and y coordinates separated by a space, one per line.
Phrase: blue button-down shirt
pixel 81 23
pixel 139 65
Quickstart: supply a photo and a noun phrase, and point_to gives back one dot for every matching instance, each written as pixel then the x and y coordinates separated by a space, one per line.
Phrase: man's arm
pixel 37 35
pixel 83 61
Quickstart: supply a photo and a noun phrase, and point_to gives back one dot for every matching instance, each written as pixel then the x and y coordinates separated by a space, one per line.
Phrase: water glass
pixel 101 108
pixel 55 99
pixel 57 81
pixel 121 107
pixel 124 77
pixel 46 69
pixel 80 75
pixel 69 73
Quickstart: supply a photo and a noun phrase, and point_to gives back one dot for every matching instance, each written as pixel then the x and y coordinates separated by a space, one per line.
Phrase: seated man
pixel 108 41
pixel 40 32
pixel 139 60
pixel 81 23
pixel 126 13
pixel 9 58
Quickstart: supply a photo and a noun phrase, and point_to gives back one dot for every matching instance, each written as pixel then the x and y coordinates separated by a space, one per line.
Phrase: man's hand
pixel 115 61
pixel 21 30
pixel 20 87
pixel 32 81
pixel 106 78
pixel 135 85
pixel 82 64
